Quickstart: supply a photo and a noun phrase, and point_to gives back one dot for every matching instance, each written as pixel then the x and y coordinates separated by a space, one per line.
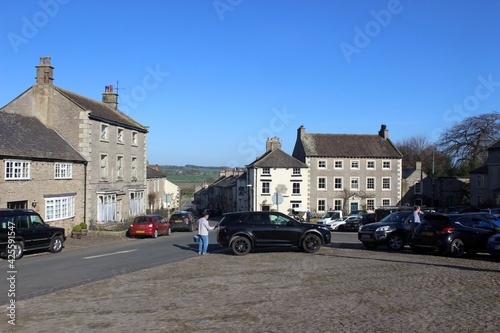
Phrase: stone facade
pixel 113 144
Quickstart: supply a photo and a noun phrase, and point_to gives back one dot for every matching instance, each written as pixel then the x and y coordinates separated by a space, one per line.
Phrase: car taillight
pixel 186 220
pixel 150 225
pixel 447 230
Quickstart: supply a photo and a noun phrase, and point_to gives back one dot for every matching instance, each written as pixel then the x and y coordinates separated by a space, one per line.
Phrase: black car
pixel 183 220
pixel 243 231
pixel 354 225
pixel 394 231
pixel 23 230
pixel 453 234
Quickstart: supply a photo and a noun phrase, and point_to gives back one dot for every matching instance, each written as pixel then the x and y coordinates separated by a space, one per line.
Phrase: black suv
pixel 183 220
pixel 24 230
pixel 243 231
pixel 394 231
pixel 354 225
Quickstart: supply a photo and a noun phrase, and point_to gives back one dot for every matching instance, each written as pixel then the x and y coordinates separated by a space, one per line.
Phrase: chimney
pixel 384 132
pixel 109 97
pixel 44 72
pixel 272 144
pixel 301 131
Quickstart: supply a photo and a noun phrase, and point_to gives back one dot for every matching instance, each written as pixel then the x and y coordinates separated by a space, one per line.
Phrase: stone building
pixel 485 181
pixel 112 143
pixel 350 172
pixel 41 171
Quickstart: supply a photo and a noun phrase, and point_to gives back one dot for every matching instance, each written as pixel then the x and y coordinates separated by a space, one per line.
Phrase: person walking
pixel 203 229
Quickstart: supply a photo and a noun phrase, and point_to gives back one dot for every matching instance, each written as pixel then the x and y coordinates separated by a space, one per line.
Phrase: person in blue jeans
pixel 203 229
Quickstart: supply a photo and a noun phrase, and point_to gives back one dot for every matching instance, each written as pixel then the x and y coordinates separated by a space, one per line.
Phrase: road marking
pixel 109 254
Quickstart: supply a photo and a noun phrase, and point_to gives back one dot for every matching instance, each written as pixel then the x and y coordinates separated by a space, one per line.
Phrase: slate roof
pixel 27 137
pixel 102 111
pixel 277 158
pixel 153 173
pixel 348 145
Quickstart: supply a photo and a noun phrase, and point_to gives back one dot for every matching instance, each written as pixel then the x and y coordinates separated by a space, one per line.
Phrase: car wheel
pixel 241 246
pixel 311 243
pixel 457 248
pixel 155 234
pixel 370 246
pixel 56 244
pixel 17 249
pixel 395 243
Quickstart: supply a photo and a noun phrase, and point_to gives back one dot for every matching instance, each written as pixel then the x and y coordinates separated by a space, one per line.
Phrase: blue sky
pixel 214 78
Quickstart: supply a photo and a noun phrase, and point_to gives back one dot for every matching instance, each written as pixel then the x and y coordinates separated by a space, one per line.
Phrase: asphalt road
pixel 43 273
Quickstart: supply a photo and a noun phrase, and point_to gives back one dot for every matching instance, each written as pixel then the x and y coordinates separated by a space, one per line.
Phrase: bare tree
pixel 419 148
pixel 466 142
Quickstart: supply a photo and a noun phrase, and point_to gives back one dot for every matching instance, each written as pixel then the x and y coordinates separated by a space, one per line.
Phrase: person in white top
pixel 203 229
pixel 416 214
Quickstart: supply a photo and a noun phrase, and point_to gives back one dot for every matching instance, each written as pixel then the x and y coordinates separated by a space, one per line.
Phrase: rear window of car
pixel 143 219
pixel 436 221
pixel 179 216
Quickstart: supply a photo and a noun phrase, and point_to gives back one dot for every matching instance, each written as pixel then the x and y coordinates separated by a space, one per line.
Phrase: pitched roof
pixel 277 158
pixel 28 137
pixel 102 111
pixel 153 173
pixel 348 145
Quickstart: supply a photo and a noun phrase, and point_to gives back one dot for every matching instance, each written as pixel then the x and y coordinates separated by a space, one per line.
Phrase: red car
pixel 149 225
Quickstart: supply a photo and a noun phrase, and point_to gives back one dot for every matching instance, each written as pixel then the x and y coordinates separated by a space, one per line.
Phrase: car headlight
pixel 384 228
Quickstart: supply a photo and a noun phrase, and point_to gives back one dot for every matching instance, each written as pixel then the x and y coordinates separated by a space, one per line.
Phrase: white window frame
pixel 368 188
pixel 321 203
pixel 295 188
pixel 386 183
pixel 320 188
pixel 321 164
pixel 266 188
pixel 120 133
pixel 386 202
pixel 338 167
pixel 134 138
pixel 136 202
pixel 296 172
pixel 266 171
pixel 63 170
pixel 103 166
pixel 370 165
pixel 59 208
pixel 370 204
pixel 354 164
pixel 338 204
pixel 17 170
pixel 133 167
pixel 119 166
pixel 354 181
pixel 386 165
pixel 335 185
pixel 104 135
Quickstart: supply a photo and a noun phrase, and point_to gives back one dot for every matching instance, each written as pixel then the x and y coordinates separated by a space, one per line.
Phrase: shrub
pixel 77 228
pixel 83 225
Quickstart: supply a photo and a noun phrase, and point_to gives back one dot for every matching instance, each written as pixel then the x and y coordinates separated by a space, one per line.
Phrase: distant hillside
pixel 190 173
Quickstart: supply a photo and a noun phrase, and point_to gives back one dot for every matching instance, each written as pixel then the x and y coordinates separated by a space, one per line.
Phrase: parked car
pixel 23 230
pixel 493 246
pixel 453 234
pixel 149 225
pixel 242 231
pixel 487 216
pixel 492 211
pixel 332 220
pixel 183 220
pixel 394 231
pixel 355 224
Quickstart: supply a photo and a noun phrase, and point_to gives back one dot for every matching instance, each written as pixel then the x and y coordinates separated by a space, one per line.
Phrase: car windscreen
pixel 396 217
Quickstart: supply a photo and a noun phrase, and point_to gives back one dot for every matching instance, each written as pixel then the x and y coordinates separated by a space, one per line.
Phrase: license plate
pixel 178 221
pixel 139 232
pixel 427 233
pixel 365 236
